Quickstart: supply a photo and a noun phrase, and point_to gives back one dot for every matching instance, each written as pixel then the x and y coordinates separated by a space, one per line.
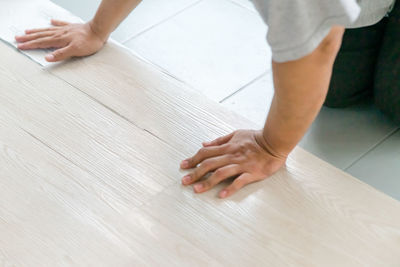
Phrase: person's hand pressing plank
pixel 300 89
pixel 70 40
pixel 243 153
pixel 77 39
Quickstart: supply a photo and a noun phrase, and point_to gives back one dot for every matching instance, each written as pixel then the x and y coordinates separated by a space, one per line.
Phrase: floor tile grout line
pixel 243 6
pixel 257 78
pixel 390 134
pixel 160 22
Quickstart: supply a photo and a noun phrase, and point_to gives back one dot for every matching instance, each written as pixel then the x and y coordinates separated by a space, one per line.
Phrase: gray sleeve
pixel 297 27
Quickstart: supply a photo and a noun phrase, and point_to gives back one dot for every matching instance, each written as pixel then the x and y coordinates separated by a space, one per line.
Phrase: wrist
pixel 98 30
pixel 264 143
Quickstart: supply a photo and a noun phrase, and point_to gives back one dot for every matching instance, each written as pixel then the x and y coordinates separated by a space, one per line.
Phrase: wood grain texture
pixel 53 213
pixel 89 177
pixel 85 132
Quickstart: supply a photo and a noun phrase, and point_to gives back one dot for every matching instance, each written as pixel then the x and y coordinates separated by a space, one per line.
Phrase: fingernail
pixel 49 57
pixel 223 193
pixel 186 179
pixel 198 187
pixel 185 164
pixel 19 46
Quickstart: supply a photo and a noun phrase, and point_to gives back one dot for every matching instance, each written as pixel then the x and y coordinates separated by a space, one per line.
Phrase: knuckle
pixel 238 157
pixel 58 35
pixel 224 147
pixel 219 173
pixel 230 146
pixel 202 152
pixel 243 148
pixel 206 164
pixel 58 53
pixel 74 46
pixel 235 147
pixel 198 172
pixel 234 186
pixel 238 183
pixel 195 174
pixel 207 183
pixel 191 160
pixel 232 158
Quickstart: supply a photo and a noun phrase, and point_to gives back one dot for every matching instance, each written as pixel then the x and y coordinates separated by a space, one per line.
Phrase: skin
pixel 76 40
pixel 249 155
pixel 246 155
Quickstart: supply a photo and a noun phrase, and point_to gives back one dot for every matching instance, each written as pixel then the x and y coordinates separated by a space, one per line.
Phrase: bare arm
pixel 78 39
pixel 110 14
pixel 250 155
pixel 300 90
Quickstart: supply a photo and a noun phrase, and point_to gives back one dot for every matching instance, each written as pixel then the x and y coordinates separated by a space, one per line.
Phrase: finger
pixel 29 31
pixel 202 154
pixel 206 167
pixel 237 184
pixel 218 176
pixel 60 54
pixel 33 36
pixel 45 42
pixel 219 141
pixel 56 22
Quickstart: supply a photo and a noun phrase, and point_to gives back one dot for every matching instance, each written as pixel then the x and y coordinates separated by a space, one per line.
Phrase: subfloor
pixel 218 47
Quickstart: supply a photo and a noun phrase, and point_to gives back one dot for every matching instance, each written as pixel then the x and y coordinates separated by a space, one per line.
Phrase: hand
pixel 70 40
pixel 242 154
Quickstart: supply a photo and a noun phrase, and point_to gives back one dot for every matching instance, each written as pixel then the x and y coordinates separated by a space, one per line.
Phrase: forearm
pixel 110 14
pixel 300 89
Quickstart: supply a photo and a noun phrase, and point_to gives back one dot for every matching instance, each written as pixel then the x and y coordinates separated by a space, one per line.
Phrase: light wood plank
pixel 159 103
pixel 324 208
pixel 123 156
pixel 53 213
pixel 296 218
pixel 309 214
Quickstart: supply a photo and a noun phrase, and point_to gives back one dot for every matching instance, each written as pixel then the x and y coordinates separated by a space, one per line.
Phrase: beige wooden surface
pixel 89 156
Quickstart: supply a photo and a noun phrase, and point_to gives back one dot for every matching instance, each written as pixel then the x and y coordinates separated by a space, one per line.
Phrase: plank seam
pixel 115 112
pixel 57 152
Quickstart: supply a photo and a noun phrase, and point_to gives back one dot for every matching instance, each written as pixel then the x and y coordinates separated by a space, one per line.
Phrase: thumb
pixel 59 54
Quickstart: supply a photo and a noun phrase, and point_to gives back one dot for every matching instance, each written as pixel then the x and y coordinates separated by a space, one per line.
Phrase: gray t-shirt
pixel 297 27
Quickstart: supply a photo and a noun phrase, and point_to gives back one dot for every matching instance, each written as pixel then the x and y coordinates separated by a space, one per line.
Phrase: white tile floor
pixel 218 47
